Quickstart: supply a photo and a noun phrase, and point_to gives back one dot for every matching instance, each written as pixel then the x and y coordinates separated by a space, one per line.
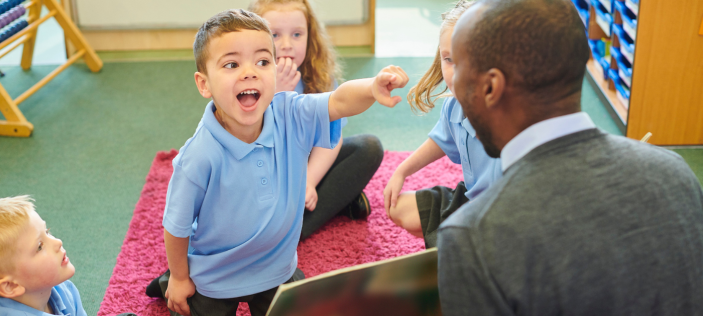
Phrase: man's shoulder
pixel 563 173
pixel 471 214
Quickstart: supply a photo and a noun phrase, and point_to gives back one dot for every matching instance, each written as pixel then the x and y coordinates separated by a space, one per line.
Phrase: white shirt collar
pixel 541 133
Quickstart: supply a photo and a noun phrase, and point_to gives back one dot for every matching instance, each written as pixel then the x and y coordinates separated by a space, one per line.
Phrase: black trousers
pixel 205 306
pixel 357 162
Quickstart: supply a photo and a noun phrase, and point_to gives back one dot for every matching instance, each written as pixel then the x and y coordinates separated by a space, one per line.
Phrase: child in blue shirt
pixel 34 268
pixel 421 212
pixel 307 63
pixel 235 202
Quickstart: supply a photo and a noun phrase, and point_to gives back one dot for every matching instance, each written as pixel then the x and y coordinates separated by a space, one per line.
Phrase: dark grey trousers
pixel 435 205
pixel 357 162
pixel 205 306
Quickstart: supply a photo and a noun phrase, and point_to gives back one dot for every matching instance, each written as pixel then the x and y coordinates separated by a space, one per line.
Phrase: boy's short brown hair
pixel 233 20
pixel 14 215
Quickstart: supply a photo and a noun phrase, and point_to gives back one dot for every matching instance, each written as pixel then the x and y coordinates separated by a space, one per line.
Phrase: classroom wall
pixel 188 14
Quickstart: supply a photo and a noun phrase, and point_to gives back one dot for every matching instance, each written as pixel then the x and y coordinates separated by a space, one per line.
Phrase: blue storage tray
pixel 619 7
pixel 623 64
pixel 582 8
pixel 608 6
pixel 628 18
pixel 619 86
pixel 602 13
pixel 598 57
pixel 626 41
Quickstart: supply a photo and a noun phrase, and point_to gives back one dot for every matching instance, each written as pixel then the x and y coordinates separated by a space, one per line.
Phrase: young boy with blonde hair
pixel 235 202
pixel 34 268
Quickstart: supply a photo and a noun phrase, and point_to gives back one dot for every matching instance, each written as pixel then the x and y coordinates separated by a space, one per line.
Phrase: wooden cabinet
pixel 666 83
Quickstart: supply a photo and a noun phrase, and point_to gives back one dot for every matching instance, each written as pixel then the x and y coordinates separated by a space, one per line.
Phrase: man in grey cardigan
pixel 582 222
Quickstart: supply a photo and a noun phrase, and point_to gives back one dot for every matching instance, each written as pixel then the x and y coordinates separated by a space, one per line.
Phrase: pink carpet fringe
pixel 339 244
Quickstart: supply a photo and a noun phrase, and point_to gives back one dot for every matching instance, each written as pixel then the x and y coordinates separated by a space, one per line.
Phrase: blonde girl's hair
pixel 14 215
pixel 320 67
pixel 421 97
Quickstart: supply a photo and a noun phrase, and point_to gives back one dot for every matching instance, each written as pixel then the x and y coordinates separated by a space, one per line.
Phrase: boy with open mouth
pixel 235 202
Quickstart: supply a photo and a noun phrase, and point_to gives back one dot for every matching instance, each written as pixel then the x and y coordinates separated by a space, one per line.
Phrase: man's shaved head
pixel 516 63
pixel 540 45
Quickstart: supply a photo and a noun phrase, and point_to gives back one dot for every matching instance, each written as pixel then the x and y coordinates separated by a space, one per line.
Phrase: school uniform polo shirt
pixel 457 138
pixel 300 87
pixel 64 300
pixel 242 204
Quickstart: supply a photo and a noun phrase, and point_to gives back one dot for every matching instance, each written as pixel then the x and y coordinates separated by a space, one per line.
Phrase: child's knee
pixel 371 148
pixel 405 213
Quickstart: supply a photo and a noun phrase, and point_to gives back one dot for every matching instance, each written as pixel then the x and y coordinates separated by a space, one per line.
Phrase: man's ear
pixel 494 87
pixel 9 288
pixel 201 82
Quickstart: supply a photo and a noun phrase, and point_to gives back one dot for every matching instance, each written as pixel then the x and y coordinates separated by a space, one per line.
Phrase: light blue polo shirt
pixel 247 199
pixel 64 300
pixel 457 138
pixel 301 86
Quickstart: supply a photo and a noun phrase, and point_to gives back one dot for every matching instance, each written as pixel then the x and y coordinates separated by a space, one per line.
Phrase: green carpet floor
pixel 96 135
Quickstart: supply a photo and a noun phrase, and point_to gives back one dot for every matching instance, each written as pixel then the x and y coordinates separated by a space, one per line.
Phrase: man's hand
pixel 391 77
pixel 287 75
pixel 391 192
pixel 310 198
pixel 177 293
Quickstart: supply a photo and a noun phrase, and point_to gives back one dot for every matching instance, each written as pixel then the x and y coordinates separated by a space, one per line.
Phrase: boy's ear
pixel 10 288
pixel 201 82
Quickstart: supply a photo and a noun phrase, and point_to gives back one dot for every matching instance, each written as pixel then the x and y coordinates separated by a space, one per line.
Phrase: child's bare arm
pixel 320 161
pixel 355 96
pixel 428 152
pixel 180 286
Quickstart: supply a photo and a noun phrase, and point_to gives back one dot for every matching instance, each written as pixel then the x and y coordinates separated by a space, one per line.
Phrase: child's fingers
pixel 400 78
pixel 297 77
pixel 284 67
pixel 389 101
pixel 291 68
pixel 185 309
pixel 280 65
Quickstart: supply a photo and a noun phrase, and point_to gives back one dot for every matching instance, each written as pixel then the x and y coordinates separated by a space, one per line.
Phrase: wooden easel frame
pixel 16 124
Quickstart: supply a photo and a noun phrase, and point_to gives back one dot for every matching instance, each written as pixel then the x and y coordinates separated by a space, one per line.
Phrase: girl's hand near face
pixel 287 75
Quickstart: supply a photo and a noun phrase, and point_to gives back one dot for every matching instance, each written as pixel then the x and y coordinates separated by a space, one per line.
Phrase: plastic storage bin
pixel 629 20
pixel 598 56
pixel 603 18
pixel 633 5
pixel 624 67
pixel 582 8
pixel 627 45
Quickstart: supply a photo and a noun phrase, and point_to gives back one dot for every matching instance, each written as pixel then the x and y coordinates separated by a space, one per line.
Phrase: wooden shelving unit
pixel 617 110
pixel 666 87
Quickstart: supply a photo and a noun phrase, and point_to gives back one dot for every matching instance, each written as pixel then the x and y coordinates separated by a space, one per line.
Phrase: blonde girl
pixel 421 212
pixel 307 63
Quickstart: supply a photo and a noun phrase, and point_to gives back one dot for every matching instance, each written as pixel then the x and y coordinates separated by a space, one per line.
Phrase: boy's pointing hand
pixel 391 77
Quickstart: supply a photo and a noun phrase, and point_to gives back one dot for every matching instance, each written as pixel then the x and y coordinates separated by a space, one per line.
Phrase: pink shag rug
pixel 339 244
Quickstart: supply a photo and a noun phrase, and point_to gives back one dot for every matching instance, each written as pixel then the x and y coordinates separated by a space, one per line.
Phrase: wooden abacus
pixel 23 31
